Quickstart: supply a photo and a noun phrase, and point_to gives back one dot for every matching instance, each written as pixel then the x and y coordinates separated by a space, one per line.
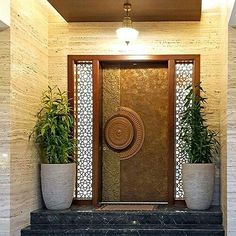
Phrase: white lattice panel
pixel 184 75
pixel 85 130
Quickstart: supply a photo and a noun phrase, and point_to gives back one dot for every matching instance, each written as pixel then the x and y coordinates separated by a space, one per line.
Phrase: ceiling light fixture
pixel 127 33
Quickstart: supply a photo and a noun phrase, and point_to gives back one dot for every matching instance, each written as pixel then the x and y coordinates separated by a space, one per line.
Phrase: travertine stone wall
pixel 223 121
pixel 205 38
pixel 231 134
pixel 31 61
pixel 5 132
pixel 23 74
pixel 29 76
pixel 227 153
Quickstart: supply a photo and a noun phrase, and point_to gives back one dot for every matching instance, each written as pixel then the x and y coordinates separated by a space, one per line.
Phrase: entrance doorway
pixel 150 88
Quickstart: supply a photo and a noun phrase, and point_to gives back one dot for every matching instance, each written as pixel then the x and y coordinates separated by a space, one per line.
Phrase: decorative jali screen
pixel 184 78
pixel 85 129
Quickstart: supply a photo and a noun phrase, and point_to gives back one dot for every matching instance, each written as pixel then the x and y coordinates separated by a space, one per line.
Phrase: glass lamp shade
pixel 127 34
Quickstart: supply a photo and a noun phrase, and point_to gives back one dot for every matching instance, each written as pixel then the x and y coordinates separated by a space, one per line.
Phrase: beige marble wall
pixel 38 53
pixel 24 76
pixel 223 139
pixel 5 132
pixel 231 134
pixel 227 178
pixel 223 115
pixel 29 76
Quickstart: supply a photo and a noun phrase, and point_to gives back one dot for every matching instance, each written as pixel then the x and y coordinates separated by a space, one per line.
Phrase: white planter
pixel 198 185
pixel 58 182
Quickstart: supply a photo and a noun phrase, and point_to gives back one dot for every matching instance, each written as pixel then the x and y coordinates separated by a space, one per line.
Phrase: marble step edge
pixel 124 219
pixel 126 213
pixel 130 213
pixel 156 232
pixel 131 227
pixel 171 211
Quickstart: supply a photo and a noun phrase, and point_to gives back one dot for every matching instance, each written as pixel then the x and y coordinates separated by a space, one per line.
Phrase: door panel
pixel 143 88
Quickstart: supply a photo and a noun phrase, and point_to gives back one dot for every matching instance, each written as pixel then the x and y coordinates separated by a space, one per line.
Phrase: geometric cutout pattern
pixel 85 130
pixel 184 78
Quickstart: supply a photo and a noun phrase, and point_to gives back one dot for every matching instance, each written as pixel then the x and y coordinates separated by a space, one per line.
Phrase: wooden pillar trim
pixel 96 134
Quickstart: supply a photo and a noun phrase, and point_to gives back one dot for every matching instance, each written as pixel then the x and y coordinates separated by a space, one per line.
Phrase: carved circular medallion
pixel 119 133
pixel 124 132
pixel 138 130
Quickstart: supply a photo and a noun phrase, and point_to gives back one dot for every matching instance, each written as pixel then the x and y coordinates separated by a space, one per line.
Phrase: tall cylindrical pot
pixel 57 182
pixel 198 185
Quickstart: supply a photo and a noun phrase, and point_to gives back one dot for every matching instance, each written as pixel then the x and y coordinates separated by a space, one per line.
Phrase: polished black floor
pixel 163 220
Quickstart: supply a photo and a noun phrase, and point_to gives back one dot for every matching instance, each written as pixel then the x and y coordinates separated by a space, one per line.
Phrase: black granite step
pixel 155 230
pixel 163 221
pixel 139 227
pixel 159 216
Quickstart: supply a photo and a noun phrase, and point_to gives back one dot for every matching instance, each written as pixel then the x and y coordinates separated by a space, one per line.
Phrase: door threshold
pixel 134 203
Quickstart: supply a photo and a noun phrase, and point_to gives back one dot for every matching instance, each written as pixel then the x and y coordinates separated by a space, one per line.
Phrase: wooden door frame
pixel 97 110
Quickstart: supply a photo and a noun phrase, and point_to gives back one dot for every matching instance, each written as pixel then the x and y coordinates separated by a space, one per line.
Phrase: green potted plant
pixel 52 133
pixel 200 145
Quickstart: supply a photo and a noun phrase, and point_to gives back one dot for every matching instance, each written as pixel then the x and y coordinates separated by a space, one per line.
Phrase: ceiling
pixel 142 10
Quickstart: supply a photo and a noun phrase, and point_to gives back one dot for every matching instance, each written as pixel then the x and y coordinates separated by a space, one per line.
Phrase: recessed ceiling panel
pixel 142 10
